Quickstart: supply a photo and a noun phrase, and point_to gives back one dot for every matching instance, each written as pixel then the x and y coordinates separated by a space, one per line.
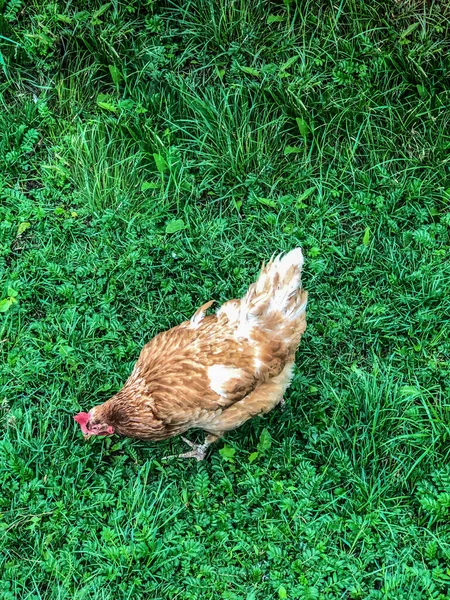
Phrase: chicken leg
pixel 198 450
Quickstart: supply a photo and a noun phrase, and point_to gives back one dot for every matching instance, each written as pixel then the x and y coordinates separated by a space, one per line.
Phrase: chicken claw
pixel 198 451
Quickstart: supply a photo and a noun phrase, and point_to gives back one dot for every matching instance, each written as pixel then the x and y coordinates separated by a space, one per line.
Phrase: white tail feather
pixel 280 279
pixel 276 298
pixel 274 301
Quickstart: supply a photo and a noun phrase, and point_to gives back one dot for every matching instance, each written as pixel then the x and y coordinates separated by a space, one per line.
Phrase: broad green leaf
pixel 116 75
pixel 302 126
pixel 149 185
pixel 250 71
pixel 5 305
pixel 107 106
pixel 274 19
pixel 423 92
pixel 127 104
pixel 12 293
pixel 410 390
pixel 253 456
pixel 64 18
pixel 265 441
pixel 23 227
pixel 366 237
pixel 267 202
pixel 174 226
pixel 65 350
pixel 58 169
pixel 101 10
pixel 409 29
pixel 41 36
pixel 282 593
pixel 227 452
pixel 82 16
pixel 161 164
pixel 292 150
pixel 105 387
pixel 289 62
pixel 306 194
pixel 104 102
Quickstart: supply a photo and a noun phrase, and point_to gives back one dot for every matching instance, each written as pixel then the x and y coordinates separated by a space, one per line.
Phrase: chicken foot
pixel 198 450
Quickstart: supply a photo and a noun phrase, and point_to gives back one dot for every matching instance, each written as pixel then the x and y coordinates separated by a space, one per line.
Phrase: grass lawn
pixel 152 154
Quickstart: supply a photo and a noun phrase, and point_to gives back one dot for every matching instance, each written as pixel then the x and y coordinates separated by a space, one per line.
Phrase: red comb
pixel 82 419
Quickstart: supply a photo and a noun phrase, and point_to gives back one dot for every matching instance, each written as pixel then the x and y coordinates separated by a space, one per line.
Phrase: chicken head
pixel 89 427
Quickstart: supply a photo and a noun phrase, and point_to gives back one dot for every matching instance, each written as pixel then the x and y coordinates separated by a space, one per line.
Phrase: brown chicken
pixel 213 372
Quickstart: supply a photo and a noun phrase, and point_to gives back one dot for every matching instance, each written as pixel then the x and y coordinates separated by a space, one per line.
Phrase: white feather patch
pixel 231 310
pixel 220 375
pixel 258 364
pixel 291 259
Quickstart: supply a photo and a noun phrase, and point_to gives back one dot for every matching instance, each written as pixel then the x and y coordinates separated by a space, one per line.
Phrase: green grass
pixel 152 154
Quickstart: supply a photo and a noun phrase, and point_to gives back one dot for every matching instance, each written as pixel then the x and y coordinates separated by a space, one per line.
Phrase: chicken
pixel 213 372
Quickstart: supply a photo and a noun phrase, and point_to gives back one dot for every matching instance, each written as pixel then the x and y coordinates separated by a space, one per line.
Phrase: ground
pixel 152 154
